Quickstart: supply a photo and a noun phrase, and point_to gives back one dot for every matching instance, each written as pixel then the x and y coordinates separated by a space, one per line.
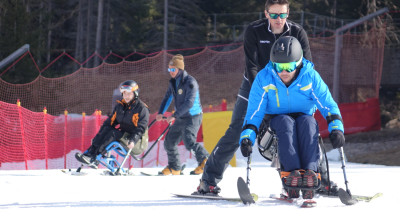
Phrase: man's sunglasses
pixel 275 16
pixel 171 69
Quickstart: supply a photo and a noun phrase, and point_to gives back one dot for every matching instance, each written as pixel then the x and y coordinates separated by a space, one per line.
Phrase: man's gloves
pixel 337 138
pixel 246 141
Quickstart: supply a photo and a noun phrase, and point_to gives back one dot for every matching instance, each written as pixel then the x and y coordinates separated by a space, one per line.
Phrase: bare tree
pixel 88 29
pixel 49 32
pixel 99 30
pixel 79 33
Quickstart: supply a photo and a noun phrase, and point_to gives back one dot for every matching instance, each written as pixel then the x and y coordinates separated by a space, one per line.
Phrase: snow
pixel 51 194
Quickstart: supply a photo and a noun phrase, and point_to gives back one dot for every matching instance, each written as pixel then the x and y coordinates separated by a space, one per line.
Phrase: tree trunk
pixel 49 34
pixel 79 30
pixel 99 30
pixel 88 30
pixel 107 25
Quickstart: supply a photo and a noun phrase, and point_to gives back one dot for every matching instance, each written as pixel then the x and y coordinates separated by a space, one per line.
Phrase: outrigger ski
pixel 210 197
pixel 74 173
pixel 345 197
pixel 158 174
pixel 109 173
pixel 313 203
pixel 244 192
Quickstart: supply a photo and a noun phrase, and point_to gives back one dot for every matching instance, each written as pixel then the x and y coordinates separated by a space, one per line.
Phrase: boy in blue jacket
pixel 290 90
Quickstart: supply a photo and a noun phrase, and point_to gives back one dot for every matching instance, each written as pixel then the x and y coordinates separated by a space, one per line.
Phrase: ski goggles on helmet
pixel 288 67
pixel 128 88
pixel 171 69
pixel 275 15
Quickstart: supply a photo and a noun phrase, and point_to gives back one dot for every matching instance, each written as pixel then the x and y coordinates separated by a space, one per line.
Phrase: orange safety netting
pixel 38 140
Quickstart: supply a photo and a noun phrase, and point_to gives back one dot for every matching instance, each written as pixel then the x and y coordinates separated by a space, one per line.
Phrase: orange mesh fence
pixel 38 140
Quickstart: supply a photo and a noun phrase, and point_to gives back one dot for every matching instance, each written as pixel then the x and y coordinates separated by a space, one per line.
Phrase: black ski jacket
pixel 132 118
pixel 258 40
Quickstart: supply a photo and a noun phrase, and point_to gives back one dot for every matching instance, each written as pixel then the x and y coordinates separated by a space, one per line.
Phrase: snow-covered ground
pixel 51 194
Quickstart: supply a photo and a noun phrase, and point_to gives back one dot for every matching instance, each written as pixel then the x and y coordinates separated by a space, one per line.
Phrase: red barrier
pixel 357 117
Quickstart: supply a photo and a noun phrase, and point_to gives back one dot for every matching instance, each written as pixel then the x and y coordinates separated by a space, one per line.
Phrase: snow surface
pixel 51 194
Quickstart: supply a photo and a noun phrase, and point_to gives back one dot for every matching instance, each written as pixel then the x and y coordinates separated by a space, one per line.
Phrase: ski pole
pixel 123 162
pixel 345 196
pixel 344 169
pixel 248 170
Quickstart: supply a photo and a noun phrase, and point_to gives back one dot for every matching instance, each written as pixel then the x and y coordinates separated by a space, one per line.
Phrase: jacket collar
pixel 285 28
pixel 131 103
pixel 181 76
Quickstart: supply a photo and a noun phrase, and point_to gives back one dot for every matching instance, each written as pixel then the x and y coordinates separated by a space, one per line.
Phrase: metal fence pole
pixel 338 48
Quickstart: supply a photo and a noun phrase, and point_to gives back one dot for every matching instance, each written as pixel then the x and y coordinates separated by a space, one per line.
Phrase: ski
pixel 156 174
pixel 282 198
pixel 357 198
pixel 208 197
pixel 309 203
pixel 367 198
pixel 149 174
pixel 348 199
pixel 244 192
pixel 109 173
pixel 73 173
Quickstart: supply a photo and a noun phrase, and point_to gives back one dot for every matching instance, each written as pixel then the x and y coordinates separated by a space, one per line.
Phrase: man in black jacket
pixel 259 37
pixel 132 116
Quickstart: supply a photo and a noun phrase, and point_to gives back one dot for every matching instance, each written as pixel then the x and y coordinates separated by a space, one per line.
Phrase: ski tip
pixel 308 204
pixel 255 197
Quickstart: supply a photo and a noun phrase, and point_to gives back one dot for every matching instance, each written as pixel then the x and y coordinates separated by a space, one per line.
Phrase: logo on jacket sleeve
pixel 135 119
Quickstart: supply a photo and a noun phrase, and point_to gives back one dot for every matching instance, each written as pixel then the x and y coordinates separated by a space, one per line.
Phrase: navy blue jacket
pixel 184 89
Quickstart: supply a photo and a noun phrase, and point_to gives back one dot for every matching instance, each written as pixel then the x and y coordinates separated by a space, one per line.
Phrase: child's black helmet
pixel 130 85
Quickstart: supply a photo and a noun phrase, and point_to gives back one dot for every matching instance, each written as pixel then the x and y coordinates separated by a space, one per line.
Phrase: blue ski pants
pixel 297 142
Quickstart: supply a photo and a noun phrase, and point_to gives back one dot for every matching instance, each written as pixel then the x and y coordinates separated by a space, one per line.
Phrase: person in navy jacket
pixel 187 117
pixel 290 90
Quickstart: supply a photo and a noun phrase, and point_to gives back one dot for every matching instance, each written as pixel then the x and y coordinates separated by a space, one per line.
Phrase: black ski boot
pixel 310 179
pixel 205 189
pixel 293 179
pixel 87 159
